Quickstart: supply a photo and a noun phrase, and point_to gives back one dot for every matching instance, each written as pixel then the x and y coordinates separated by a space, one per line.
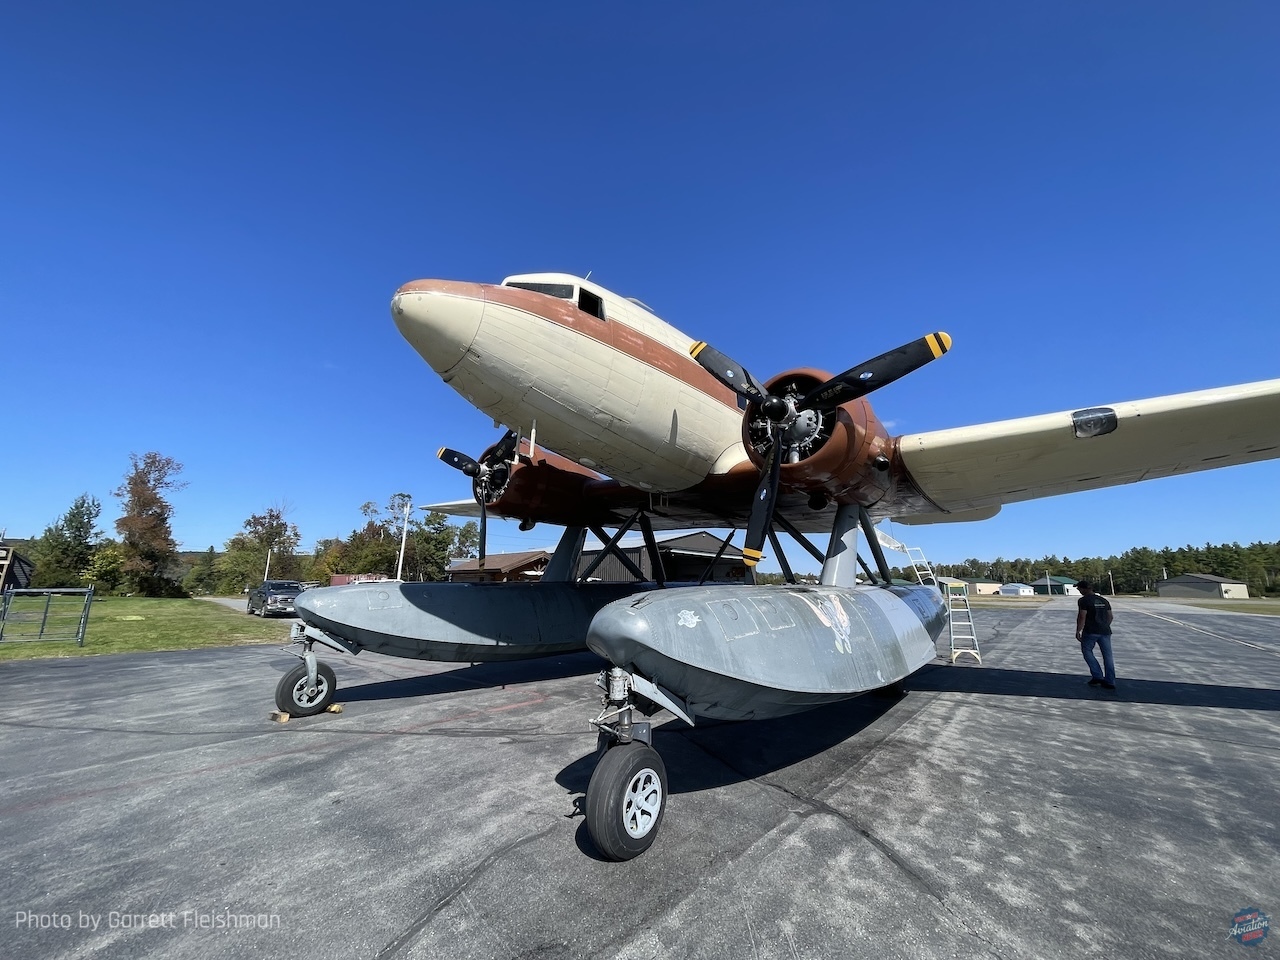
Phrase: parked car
pixel 273 597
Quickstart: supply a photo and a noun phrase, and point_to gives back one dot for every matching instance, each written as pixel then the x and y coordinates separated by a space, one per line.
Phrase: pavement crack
pixel 460 888
pixel 813 805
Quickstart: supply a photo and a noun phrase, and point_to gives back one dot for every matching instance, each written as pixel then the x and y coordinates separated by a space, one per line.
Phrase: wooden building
pixel 501 568
pixel 686 557
pixel 15 569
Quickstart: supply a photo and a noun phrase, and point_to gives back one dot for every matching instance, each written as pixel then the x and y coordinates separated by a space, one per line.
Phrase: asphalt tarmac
pixel 148 806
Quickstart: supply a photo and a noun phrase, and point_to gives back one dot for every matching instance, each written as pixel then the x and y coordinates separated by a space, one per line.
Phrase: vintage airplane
pixel 619 420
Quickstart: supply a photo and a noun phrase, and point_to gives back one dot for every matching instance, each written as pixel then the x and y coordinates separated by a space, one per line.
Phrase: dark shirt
pixel 1096 609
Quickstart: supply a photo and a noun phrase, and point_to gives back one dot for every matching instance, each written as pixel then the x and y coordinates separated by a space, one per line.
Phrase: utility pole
pixel 404 538
pixel 267 570
pixel 1113 583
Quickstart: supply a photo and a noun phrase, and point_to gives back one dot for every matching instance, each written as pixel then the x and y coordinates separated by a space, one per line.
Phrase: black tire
pixel 291 691
pixel 248 608
pixel 626 799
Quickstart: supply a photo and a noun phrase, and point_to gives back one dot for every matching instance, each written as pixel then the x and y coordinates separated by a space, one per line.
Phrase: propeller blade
pixel 732 374
pixel 459 461
pixel 860 380
pixel 484 515
pixel 504 450
pixel 763 506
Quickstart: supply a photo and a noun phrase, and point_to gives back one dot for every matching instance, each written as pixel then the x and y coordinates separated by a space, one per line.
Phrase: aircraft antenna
pixel 588 276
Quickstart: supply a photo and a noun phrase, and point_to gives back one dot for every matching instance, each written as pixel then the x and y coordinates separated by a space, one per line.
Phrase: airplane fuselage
pixel 595 377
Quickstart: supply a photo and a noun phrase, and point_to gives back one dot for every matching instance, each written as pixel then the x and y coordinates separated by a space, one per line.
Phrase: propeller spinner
pixel 787 415
pixel 489 475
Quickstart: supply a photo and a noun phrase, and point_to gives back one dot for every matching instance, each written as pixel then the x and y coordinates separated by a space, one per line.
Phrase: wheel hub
pixel 305 696
pixel 643 803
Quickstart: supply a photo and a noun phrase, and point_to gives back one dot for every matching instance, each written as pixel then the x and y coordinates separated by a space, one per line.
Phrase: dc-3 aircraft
pixel 618 420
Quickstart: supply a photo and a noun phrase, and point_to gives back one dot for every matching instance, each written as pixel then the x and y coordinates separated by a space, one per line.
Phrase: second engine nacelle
pixel 841 454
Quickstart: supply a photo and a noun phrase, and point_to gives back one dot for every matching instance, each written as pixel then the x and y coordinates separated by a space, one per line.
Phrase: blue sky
pixel 204 213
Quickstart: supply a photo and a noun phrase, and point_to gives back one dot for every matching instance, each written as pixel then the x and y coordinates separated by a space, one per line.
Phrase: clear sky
pixel 205 209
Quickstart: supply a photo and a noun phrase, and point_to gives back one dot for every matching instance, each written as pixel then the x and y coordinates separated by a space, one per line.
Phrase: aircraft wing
pixel 960 474
pixel 973 470
pixel 456 508
pixel 678 511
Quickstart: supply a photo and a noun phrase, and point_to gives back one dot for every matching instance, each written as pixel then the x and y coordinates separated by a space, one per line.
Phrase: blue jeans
pixel 1103 640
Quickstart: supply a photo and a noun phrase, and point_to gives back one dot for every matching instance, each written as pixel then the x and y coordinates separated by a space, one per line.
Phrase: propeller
pixel 791 420
pixel 489 474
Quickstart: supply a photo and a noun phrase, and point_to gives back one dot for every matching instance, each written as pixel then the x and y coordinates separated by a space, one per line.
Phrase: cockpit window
pixel 562 290
pixel 588 302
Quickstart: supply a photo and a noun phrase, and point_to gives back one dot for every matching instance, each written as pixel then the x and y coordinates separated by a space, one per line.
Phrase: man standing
pixel 1093 625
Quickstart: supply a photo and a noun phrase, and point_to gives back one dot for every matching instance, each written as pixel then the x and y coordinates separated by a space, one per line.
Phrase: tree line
pixel 1137 570
pixel 144 558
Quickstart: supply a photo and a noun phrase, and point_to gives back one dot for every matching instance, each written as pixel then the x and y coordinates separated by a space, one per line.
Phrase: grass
pixel 992 600
pixel 1266 607
pixel 131 624
pixel 1269 607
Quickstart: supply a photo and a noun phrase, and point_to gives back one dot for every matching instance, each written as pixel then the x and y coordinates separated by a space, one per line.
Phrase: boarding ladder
pixel 963 638
pixel 919 565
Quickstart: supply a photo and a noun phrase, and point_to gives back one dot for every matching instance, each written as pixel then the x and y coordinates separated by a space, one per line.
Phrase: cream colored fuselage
pixel 620 395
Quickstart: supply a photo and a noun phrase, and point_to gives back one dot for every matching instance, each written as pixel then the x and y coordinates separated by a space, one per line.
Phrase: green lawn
pixel 128 624
pixel 991 600
pixel 1267 606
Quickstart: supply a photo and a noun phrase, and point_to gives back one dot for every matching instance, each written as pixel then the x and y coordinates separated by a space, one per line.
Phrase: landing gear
pixel 627 794
pixel 309 687
pixel 297 696
pixel 626 799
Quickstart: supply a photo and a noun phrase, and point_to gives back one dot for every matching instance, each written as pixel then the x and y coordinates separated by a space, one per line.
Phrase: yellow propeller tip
pixel 945 338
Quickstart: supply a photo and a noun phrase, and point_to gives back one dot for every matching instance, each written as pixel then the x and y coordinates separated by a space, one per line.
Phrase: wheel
pixel 248 608
pixel 291 691
pixel 626 798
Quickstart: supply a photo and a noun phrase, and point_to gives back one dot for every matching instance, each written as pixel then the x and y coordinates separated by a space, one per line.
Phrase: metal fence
pixel 45 615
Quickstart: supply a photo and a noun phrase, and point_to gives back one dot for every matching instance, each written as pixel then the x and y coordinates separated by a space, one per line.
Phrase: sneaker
pixel 1095 682
pixel 1108 686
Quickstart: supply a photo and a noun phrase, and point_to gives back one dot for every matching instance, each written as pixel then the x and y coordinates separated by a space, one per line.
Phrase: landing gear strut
pixel 309 687
pixel 627 794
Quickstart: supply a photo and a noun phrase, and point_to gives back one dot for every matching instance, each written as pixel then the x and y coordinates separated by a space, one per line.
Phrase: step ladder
pixel 963 637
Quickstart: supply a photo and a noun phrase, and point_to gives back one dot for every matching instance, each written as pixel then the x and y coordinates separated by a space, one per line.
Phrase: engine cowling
pixel 841 454
pixel 543 487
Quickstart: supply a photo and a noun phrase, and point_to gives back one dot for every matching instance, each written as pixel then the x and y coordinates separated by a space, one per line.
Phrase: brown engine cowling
pixel 546 488
pixel 844 454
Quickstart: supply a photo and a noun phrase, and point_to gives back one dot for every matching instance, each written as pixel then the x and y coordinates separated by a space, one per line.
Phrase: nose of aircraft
pixel 324 606
pixel 439 318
